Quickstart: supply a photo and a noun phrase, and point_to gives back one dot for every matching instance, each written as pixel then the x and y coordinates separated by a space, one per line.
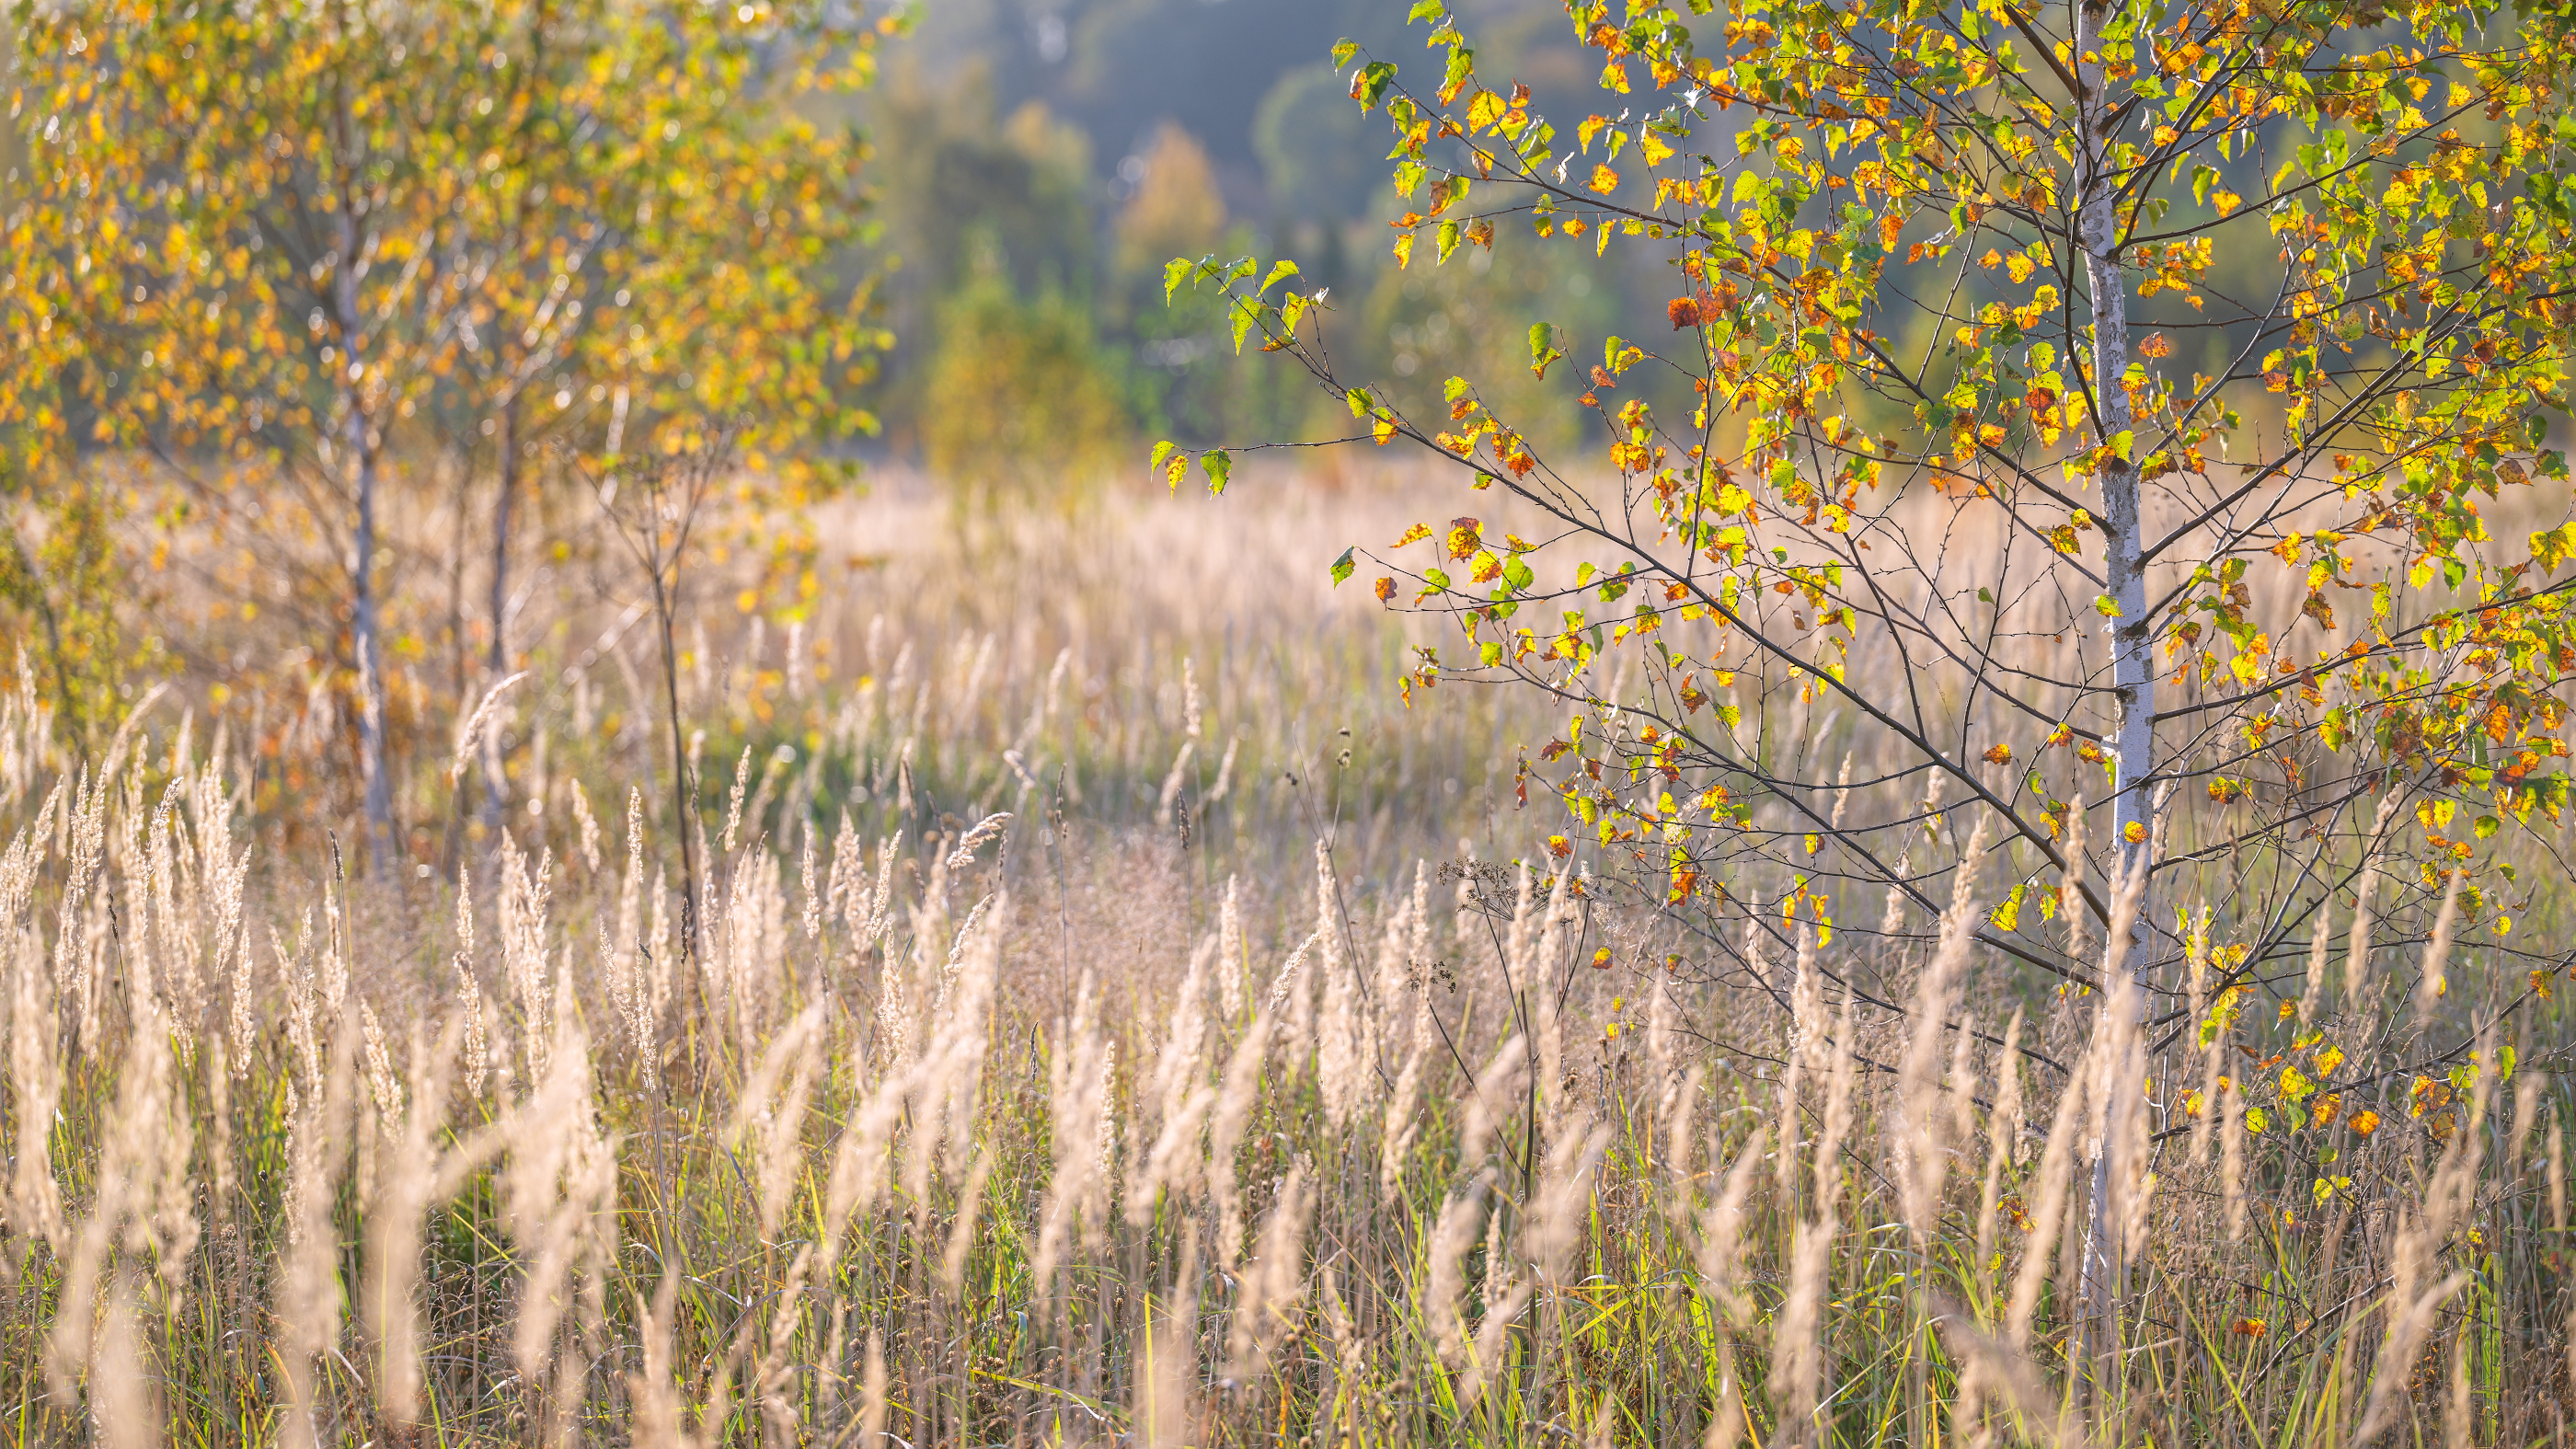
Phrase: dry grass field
pixel 1112 1015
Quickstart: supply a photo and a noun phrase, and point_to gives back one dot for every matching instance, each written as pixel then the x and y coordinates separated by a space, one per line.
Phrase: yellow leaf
pixel 1604 180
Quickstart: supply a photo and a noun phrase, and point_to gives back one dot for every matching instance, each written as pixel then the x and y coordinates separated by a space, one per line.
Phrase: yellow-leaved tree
pixel 2090 483
pixel 266 247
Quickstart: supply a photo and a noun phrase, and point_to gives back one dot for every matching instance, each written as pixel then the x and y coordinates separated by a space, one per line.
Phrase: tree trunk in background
pixel 496 781
pixel 2132 657
pixel 363 631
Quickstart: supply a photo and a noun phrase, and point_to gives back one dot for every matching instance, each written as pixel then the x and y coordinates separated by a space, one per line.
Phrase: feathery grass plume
pixel 961 1233
pixel 1444 1299
pixel 1664 1071
pixel 1728 1422
pixel 1291 1003
pixel 1184 1098
pixel 845 885
pixel 395 1220
pixel 734 801
pixel 957 1044
pixel 1400 1128
pixel 381 1081
pixel 773 1377
pixel 1547 957
pixel 749 946
pixel 2230 1110
pixel 1345 1036
pixel 2319 945
pixel 813 894
pixel 1230 956
pixel 1506 1296
pixel 1224 785
pixel 1166 1353
pixel 121 1378
pixel 1995 1367
pixel 307 1295
pixel 121 1203
pixel 1919 1153
pixel 2057 1162
pixel 469 736
pixel 2557 1176
pixel 81 932
pixel 2003 1141
pixel 769 1113
pixel 35 1092
pixel 1173 780
pixel 1238 1097
pixel 2356 951
pixel 988 828
pixel 664 946
pixel 874 1401
pixel 2422 1235
pixel 2434 984
pixel 858 1172
pixel 1273 1283
pixel 557 1192
pixel 1079 1121
pixel 627 992
pixel 1404 947
pixel 1095 1222
pixel 1341 1032
pixel 2070 886
pixel 881 904
pixel 1799 1346
pixel 1491 1099
pixel 1552 1224
pixel 1178 1063
pixel 653 1387
pixel 1808 1037
pixel 587 826
pixel 523 901
pixel 1720 1257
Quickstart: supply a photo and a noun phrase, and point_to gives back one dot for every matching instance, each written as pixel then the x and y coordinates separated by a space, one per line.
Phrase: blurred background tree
pixel 293 266
pixel 317 309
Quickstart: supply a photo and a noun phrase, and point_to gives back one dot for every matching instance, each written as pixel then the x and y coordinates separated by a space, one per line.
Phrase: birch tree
pixel 2124 423
pixel 264 246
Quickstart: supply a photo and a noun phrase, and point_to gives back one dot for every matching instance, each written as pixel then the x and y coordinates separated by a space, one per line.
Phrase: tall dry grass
pixel 1035 1074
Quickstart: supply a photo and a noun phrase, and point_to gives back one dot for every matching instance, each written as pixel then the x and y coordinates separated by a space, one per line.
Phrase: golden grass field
pixel 1115 1017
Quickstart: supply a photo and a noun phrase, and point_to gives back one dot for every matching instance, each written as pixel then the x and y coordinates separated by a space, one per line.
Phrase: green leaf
pixel 1369 86
pixel 1342 567
pixel 2122 442
pixel 1246 312
pixel 1343 50
pixel 1360 402
pixel 1280 271
pixel 1173 271
pixel 1219 467
pixel 1543 348
pixel 1428 10
pixel 1162 452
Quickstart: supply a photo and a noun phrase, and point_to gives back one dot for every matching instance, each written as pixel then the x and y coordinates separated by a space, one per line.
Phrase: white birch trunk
pixel 2132 657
